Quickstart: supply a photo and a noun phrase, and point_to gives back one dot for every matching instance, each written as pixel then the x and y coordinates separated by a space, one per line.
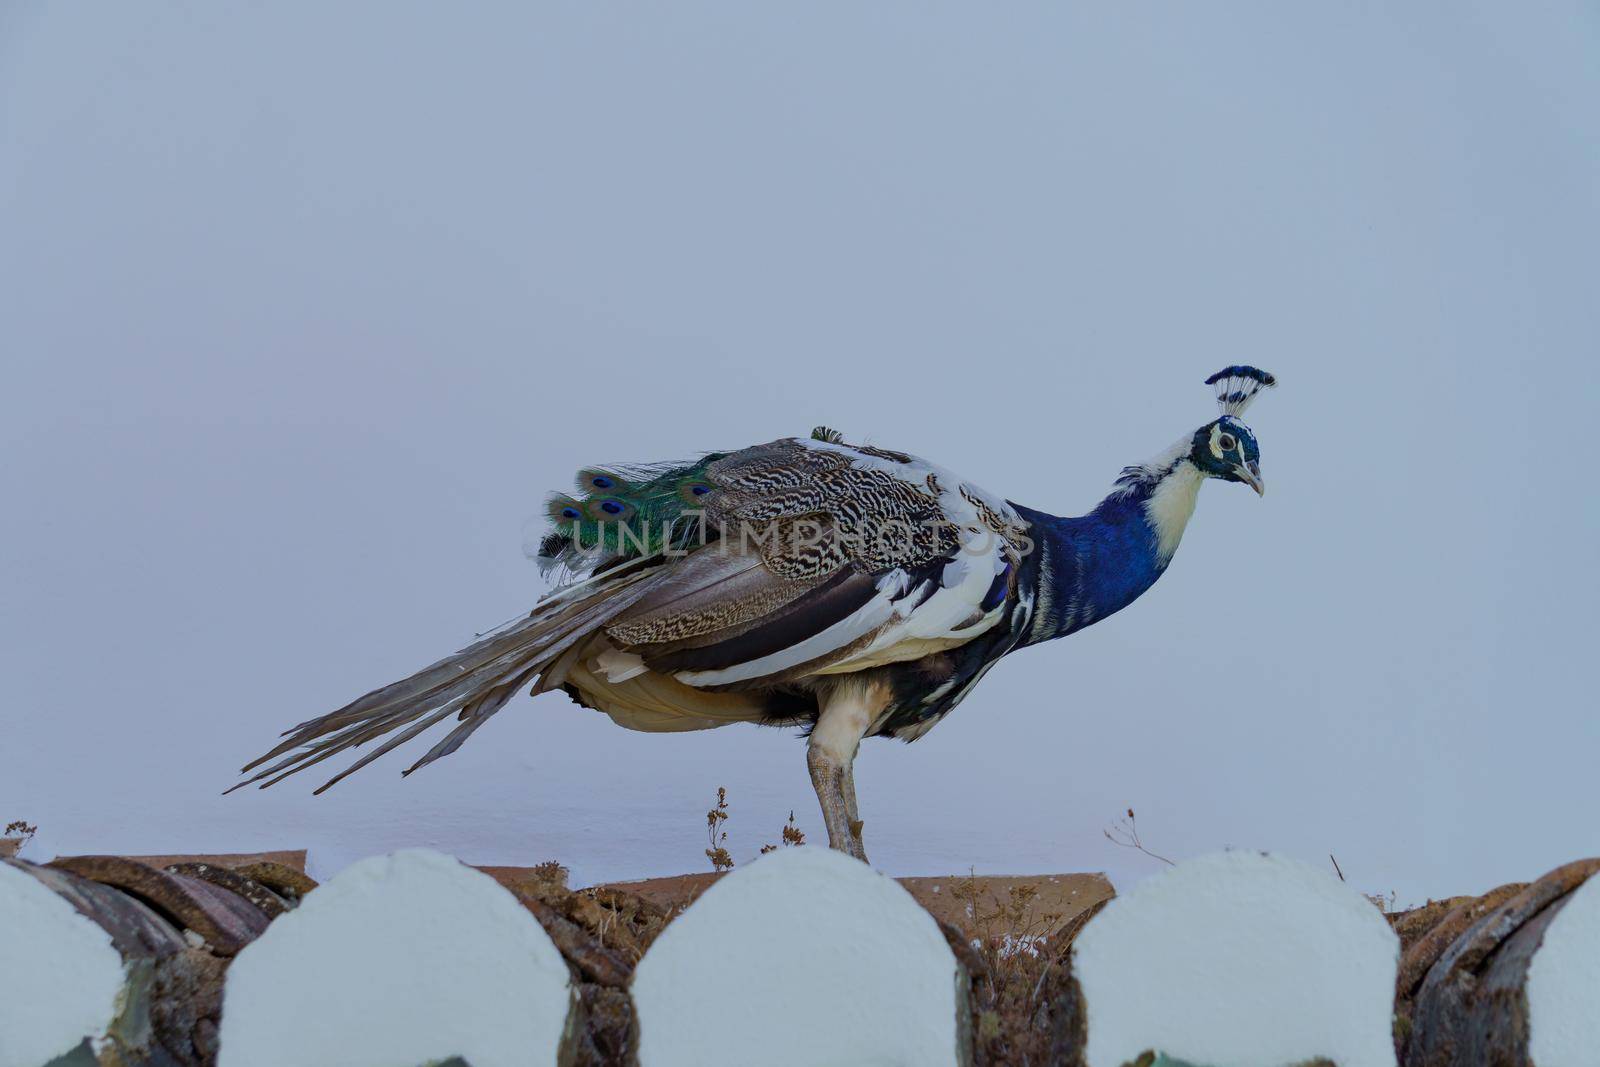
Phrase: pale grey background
pixel 306 306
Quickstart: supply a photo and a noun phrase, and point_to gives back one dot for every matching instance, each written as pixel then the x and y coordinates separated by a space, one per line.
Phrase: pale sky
pixel 305 307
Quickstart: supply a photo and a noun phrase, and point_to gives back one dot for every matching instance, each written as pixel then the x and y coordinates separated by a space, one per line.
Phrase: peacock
pixel 851 590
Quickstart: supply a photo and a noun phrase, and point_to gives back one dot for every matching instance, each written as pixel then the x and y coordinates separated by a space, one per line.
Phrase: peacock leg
pixel 843 721
pixel 852 810
pixel 827 777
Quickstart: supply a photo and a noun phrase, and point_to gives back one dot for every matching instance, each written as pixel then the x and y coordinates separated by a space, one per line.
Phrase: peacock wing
pixel 825 558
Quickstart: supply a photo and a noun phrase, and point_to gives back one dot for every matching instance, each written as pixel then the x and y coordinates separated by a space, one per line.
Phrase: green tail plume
pixel 620 513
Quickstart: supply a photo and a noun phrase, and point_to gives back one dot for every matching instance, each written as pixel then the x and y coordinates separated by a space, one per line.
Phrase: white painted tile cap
pixel 802 958
pixel 1241 958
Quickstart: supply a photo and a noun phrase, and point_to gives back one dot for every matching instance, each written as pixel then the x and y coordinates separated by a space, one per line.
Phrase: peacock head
pixel 1226 448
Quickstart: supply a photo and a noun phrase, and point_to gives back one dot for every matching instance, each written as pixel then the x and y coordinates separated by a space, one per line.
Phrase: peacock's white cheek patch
pixel 1216 441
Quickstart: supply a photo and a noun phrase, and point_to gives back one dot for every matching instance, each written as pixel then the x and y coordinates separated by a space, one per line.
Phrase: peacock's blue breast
pixel 1096 565
pixel 1119 563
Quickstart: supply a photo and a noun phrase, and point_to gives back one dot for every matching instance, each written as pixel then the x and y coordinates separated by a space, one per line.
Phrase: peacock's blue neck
pixel 1095 565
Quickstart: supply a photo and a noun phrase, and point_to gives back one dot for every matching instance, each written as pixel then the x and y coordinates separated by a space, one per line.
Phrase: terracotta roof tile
pixel 293 858
pixel 136 930
pixel 226 922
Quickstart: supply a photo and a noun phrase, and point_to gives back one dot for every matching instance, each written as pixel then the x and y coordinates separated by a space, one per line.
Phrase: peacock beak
pixel 1250 474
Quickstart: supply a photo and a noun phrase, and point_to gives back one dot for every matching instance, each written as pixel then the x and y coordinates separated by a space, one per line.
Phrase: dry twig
pixel 1126 835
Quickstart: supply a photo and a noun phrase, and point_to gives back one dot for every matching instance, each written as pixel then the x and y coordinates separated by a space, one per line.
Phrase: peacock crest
pixel 1237 386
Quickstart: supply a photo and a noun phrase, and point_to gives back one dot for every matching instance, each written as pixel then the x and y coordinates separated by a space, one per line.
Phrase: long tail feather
pixel 476 682
pixel 473 716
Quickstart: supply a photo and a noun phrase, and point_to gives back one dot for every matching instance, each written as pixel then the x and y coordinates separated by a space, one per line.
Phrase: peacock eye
pixel 1226 442
pixel 571 513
